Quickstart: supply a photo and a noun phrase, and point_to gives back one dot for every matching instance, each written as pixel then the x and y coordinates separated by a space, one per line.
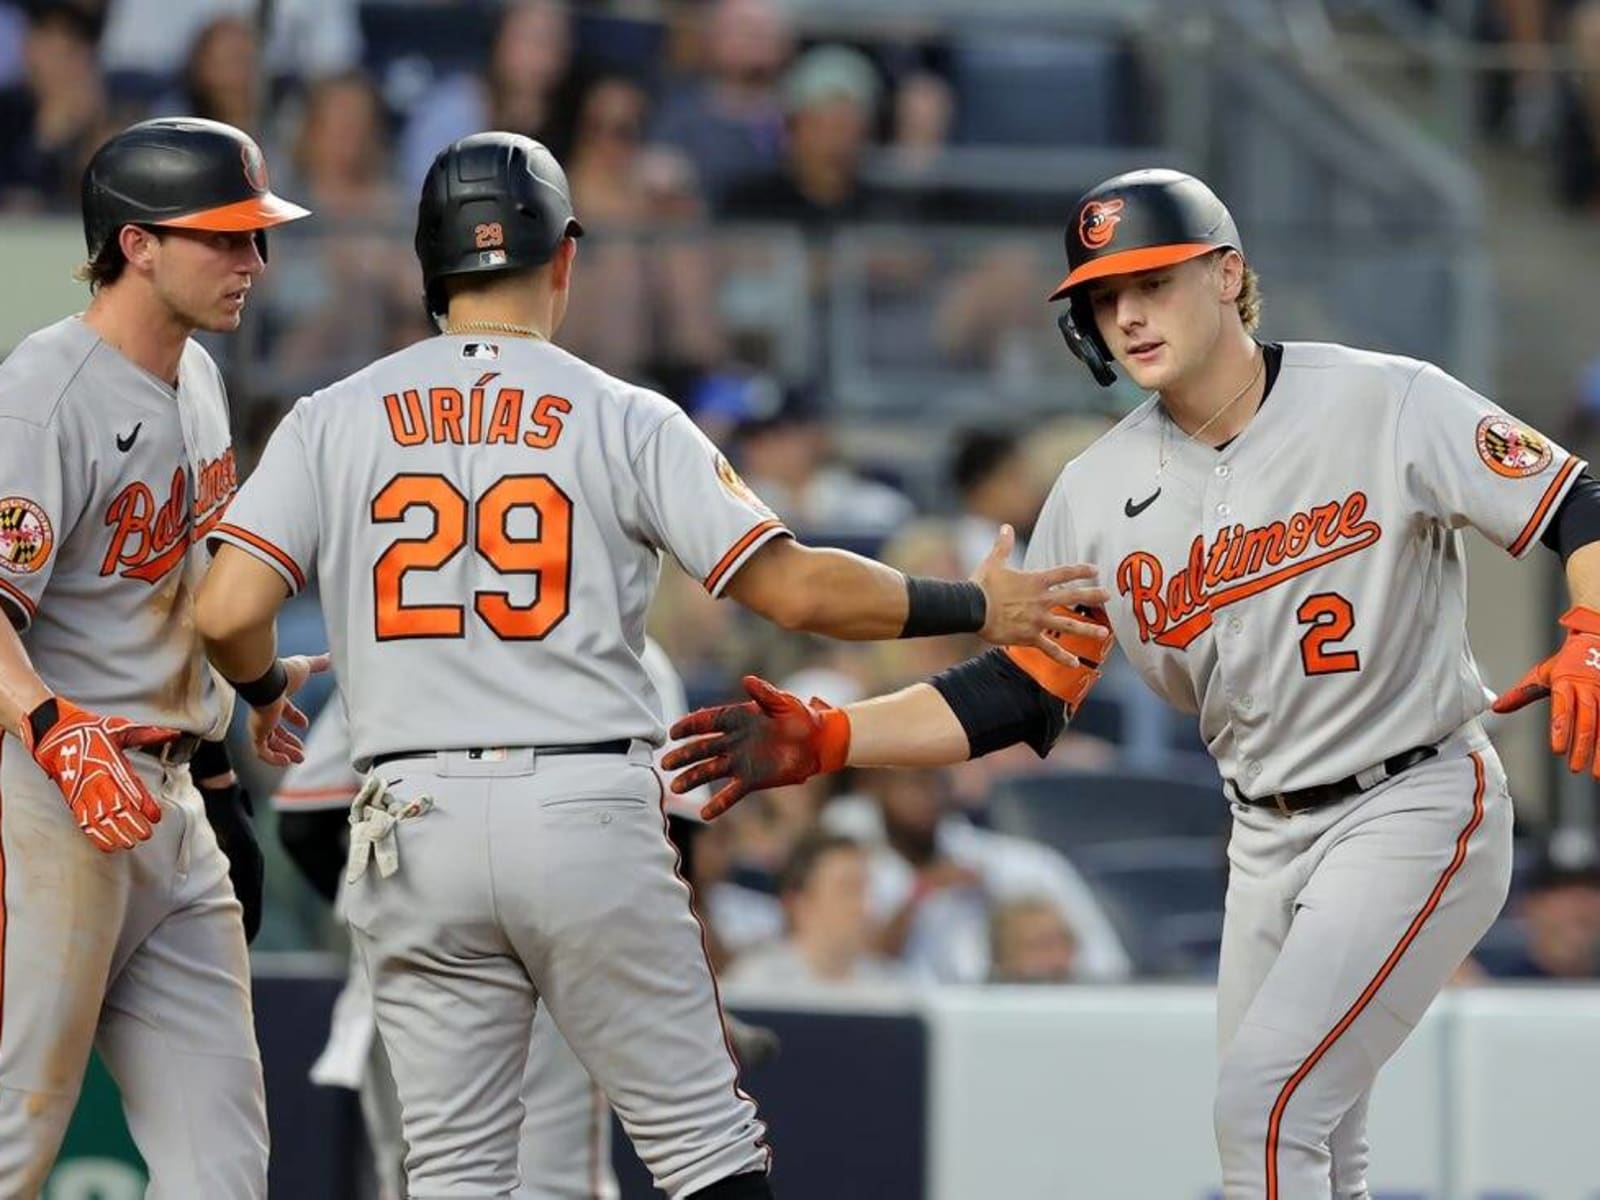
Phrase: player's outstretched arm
pixel 1570 677
pixel 843 595
pixel 235 612
pixel 775 739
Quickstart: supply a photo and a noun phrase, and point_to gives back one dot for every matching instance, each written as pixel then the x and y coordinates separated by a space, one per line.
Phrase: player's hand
pixel 1026 607
pixel 269 725
pixel 774 739
pixel 1571 678
pixel 83 753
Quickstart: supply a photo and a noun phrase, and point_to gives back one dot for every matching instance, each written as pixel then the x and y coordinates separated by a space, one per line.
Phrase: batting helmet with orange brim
pixel 1138 221
pixel 180 173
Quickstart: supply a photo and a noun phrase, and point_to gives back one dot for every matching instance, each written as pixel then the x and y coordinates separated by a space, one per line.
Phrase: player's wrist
pixel 40 720
pixel 1581 619
pixel 266 689
pixel 935 607
pixel 833 740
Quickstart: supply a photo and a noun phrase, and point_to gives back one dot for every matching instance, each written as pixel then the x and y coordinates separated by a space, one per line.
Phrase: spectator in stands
pixel 307 38
pixel 337 308
pixel 831 98
pixel 647 309
pixel 1577 133
pixel 934 877
pixel 737 917
pixel 989 474
pixel 1560 911
pixel 530 61
pixel 986 318
pixel 729 121
pixel 221 79
pixel 785 450
pixel 829 945
pixel 50 127
pixel 1528 27
pixel 924 114
pixel 1031 943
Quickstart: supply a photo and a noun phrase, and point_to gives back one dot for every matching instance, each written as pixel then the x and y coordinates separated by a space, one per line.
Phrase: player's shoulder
pixel 38 376
pixel 1332 371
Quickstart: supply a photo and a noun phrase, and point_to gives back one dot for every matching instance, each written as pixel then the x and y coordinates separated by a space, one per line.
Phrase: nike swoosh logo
pixel 126 443
pixel 1131 509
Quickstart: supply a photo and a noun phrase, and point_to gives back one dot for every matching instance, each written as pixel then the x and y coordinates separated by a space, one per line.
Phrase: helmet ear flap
pixel 1082 336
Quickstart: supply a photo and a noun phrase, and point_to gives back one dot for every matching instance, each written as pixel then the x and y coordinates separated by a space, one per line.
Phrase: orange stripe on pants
pixel 1371 990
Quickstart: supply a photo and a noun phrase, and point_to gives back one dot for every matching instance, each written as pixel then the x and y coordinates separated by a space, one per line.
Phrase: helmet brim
pixel 257 212
pixel 1126 262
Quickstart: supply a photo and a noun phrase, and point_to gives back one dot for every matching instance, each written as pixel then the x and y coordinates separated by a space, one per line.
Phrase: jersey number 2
pixel 547 556
pixel 1331 619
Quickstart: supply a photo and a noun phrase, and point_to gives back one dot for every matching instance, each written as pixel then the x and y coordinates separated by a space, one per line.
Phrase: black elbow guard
pixel 1576 522
pixel 999 704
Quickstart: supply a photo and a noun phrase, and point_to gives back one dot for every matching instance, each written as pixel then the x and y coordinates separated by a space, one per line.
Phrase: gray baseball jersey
pixel 487 519
pixel 108 478
pixel 1303 590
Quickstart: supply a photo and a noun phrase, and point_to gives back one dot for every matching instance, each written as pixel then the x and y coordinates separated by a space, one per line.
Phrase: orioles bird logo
pixel 1097 224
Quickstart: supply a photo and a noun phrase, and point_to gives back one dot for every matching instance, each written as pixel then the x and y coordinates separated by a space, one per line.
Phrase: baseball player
pixel 486 514
pixel 565 1147
pixel 118 925
pixel 1283 528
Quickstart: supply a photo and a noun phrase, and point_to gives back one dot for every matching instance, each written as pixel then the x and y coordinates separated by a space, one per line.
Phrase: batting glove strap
pixel 1579 619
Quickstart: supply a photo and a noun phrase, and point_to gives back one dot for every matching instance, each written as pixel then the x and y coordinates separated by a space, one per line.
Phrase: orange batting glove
pixel 774 739
pixel 1571 678
pixel 82 754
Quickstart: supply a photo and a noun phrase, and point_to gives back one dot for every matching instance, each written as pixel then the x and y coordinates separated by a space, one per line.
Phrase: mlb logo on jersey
pixel 480 350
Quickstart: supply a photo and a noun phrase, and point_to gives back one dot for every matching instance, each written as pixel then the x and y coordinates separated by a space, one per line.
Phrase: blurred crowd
pixel 756 192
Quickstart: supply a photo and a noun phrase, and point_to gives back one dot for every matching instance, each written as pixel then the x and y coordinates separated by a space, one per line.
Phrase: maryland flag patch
pixel 25 536
pixel 1512 449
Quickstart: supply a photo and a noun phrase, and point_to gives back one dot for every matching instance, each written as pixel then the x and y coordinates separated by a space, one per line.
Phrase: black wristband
pixel 210 760
pixel 43 719
pixel 941 606
pixel 258 693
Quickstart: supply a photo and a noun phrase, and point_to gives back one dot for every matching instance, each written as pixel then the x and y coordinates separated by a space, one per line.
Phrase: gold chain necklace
pixel 1261 365
pixel 496 327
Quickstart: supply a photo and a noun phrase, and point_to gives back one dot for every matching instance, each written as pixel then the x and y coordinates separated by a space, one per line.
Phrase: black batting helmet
pixel 180 173
pixel 1134 222
pixel 490 202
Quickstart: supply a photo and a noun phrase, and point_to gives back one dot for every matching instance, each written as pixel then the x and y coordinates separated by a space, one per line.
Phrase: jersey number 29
pixel 547 557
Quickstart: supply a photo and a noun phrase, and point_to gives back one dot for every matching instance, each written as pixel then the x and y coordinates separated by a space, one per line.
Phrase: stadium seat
pixel 1071 810
pixel 1164 895
pixel 1033 89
